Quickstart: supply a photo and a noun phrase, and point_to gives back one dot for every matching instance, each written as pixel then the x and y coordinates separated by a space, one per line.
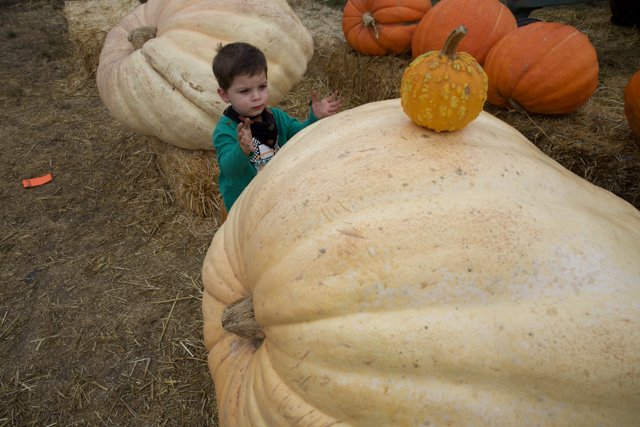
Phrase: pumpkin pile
pixel 385 274
pixel 154 73
pixel 383 27
pixel 543 67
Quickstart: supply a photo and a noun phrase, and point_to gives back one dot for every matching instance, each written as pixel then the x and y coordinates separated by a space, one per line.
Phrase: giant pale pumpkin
pixel 487 21
pixel 155 74
pixel 632 103
pixel 545 67
pixel 403 277
pixel 382 27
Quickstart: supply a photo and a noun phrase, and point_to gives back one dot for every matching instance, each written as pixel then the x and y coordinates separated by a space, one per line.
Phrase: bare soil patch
pixel 100 320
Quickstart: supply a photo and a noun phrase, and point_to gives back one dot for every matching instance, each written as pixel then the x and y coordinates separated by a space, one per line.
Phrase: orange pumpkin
pixel 487 21
pixel 632 103
pixel 445 90
pixel 382 27
pixel 545 67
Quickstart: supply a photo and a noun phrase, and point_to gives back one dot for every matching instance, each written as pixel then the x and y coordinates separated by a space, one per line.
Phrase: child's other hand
pixel 325 107
pixel 245 138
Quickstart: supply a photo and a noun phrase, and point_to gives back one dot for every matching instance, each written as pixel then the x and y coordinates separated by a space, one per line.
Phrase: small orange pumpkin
pixel 382 27
pixel 445 90
pixel 545 67
pixel 486 20
pixel 632 103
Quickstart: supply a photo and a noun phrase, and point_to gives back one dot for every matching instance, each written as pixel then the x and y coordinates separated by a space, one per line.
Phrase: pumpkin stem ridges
pixel 141 35
pixel 369 21
pixel 240 319
pixel 452 42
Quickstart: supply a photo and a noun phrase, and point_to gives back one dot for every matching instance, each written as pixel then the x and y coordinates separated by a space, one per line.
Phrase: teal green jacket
pixel 236 171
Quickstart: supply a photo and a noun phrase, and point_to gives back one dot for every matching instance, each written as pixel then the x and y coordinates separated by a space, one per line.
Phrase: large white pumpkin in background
pixel 402 277
pixel 166 88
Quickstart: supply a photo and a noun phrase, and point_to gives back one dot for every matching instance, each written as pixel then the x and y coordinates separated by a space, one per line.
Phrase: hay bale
pixel 192 176
pixel 323 22
pixel 336 66
pixel 89 21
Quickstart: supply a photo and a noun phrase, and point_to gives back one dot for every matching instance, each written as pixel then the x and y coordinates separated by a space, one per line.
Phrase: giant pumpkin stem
pixel 240 319
pixel 452 42
pixel 141 35
pixel 369 21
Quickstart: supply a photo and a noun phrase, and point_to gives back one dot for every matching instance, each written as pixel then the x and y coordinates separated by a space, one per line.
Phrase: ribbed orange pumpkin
pixel 632 103
pixel 382 27
pixel 486 20
pixel 546 67
pixel 444 90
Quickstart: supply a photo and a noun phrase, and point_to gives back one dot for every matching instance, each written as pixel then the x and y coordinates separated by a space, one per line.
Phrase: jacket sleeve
pixel 232 160
pixel 294 126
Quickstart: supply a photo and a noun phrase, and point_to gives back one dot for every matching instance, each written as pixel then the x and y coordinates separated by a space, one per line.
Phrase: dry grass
pixel 89 21
pixel 101 289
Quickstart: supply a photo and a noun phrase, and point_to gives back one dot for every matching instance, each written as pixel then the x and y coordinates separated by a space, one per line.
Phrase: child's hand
pixel 245 138
pixel 325 107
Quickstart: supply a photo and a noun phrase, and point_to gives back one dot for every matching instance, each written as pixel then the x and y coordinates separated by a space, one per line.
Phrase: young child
pixel 249 133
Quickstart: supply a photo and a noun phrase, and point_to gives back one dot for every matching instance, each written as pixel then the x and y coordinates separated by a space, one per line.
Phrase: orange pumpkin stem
pixel 141 35
pixel 452 42
pixel 240 319
pixel 369 21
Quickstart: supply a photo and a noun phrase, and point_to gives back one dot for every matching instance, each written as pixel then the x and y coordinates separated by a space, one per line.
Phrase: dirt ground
pixel 100 320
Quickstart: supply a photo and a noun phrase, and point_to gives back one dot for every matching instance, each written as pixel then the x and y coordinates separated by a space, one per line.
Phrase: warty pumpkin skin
pixel 545 67
pixel 404 277
pixel 632 103
pixel 382 27
pixel 486 20
pixel 166 87
pixel 444 90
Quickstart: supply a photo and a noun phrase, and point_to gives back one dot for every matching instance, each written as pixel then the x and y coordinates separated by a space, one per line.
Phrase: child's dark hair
pixel 237 59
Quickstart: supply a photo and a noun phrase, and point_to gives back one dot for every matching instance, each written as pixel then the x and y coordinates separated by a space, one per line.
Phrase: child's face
pixel 247 94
